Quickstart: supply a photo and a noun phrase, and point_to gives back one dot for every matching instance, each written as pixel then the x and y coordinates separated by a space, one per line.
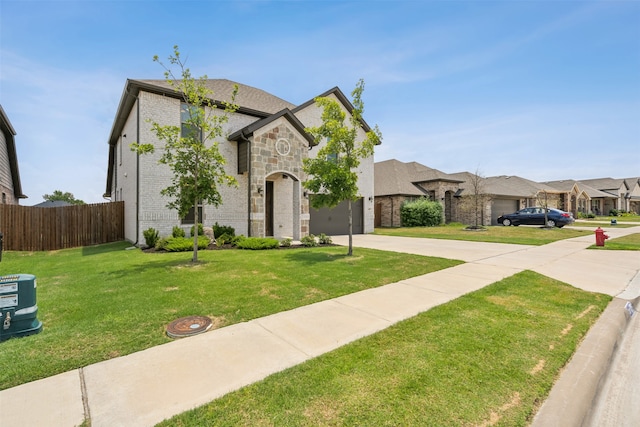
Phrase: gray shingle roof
pixel 248 97
pixel 393 177
pixel 515 186
pixel 604 183
pixel 566 185
pixel 52 204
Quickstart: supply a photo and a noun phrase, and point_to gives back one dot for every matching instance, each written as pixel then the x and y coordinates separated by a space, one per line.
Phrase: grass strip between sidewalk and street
pixel 488 358
pixel 523 235
pixel 630 242
pixel 101 302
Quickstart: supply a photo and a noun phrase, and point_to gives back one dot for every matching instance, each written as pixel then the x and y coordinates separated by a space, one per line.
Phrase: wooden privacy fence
pixel 28 228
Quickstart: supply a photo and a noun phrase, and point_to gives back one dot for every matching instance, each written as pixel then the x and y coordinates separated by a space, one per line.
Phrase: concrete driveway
pixel 607 272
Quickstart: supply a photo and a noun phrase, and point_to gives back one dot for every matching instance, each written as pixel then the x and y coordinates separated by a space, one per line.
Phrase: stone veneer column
pixel 266 160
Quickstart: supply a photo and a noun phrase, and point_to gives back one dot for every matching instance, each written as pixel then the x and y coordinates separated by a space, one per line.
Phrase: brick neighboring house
pixel 264 149
pixel 634 194
pixel 397 182
pixel 10 186
pixel 617 191
pixel 582 198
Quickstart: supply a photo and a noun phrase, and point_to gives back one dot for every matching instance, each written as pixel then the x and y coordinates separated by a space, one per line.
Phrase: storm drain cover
pixel 188 326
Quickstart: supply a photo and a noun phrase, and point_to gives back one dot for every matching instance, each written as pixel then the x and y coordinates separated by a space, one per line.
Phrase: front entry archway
pixel 282 207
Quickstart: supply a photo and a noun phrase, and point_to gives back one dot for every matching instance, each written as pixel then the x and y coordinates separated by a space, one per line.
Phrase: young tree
pixel 332 174
pixel 191 150
pixel 476 201
pixel 66 197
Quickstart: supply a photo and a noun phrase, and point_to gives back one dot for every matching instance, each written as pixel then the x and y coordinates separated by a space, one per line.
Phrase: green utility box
pixel 18 309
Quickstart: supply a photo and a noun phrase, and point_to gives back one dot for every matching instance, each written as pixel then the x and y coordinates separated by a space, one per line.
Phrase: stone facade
pixel 276 156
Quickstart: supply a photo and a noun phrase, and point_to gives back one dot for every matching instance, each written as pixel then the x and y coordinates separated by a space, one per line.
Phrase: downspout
pixel 245 139
pixel 137 173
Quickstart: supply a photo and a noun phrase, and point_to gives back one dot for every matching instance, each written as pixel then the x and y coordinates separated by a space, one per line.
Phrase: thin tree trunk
pixel 350 231
pixel 196 218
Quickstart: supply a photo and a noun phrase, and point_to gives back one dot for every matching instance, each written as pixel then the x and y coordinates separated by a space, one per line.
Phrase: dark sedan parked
pixel 535 216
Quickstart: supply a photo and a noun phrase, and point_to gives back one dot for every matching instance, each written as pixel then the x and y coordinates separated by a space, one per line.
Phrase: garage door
pixel 502 206
pixel 335 222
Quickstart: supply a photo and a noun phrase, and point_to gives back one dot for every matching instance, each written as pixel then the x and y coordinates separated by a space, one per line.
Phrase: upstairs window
pixel 187 115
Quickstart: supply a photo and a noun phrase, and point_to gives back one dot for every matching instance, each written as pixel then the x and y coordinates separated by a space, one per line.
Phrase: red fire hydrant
pixel 600 237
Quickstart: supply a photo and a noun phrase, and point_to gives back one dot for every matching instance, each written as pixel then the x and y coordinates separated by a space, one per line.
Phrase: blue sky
pixel 541 89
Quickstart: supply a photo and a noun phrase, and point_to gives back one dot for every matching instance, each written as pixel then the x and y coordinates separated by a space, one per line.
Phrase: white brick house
pixel 264 148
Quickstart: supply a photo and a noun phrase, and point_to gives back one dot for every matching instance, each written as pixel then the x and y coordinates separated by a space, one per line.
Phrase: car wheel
pixel 551 223
pixel 506 222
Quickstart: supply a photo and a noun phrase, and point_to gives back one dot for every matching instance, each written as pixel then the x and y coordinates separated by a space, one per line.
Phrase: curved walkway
pixel 144 388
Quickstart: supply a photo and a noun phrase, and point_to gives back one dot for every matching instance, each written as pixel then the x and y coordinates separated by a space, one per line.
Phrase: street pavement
pixel 146 387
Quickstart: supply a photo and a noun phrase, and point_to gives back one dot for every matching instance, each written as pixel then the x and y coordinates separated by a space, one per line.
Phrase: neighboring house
pixel 510 193
pixel 617 189
pixel 53 204
pixel 634 194
pixel 397 182
pixel 10 188
pixel 582 197
pixel 265 146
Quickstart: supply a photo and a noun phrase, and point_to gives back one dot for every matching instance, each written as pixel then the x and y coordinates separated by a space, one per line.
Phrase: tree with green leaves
pixel 333 176
pixel 65 197
pixel 191 150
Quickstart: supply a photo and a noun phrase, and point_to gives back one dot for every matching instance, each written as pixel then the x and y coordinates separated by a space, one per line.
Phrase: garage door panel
pixel 502 206
pixel 336 221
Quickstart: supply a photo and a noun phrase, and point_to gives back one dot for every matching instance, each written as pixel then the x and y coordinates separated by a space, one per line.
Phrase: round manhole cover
pixel 187 326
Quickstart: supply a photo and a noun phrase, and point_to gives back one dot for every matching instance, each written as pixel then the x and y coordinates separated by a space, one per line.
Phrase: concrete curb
pixel 570 400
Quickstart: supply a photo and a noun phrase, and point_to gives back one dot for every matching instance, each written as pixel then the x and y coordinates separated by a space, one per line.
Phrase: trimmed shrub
pixel 162 243
pixel 150 237
pixel 258 243
pixel 421 213
pixel 184 244
pixel 286 243
pixel 219 230
pixel 323 239
pixel 223 239
pixel 200 230
pixel 177 232
pixel 309 241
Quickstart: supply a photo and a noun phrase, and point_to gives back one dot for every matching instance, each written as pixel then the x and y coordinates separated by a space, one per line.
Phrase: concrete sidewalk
pixel 144 388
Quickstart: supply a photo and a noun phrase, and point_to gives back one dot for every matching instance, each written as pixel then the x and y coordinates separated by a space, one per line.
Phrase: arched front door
pixel 282 206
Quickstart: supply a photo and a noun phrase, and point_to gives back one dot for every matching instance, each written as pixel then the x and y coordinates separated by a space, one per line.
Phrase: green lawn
pixel 630 218
pixel 487 358
pixel 495 234
pixel 594 225
pixel 101 302
pixel 630 242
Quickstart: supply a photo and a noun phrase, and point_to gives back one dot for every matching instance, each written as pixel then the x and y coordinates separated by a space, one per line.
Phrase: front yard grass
pixel 621 218
pixel 629 242
pixel 102 302
pixel 495 234
pixel 487 358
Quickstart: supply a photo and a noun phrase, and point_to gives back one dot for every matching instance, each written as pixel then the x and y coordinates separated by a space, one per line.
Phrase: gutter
pixel 243 138
pixel 137 173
